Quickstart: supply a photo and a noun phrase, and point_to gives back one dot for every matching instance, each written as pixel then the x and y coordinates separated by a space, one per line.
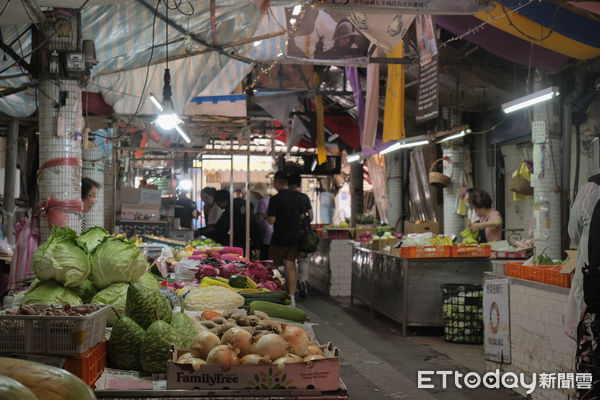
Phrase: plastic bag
pixel 27 239
pixel 520 183
pixel 186 269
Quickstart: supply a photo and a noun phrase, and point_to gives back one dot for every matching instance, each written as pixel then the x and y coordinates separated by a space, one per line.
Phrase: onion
pixel 287 359
pixel 298 338
pixel 187 358
pixel 314 357
pixel 223 355
pixel 238 338
pixel 255 359
pixel 203 343
pixel 272 346
pixel 315 350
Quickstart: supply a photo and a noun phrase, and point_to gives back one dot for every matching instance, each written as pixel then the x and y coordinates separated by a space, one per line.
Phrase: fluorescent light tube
pixel 353 157
pixel 404 145
pixel 333 137
pixel 314 165
pixel 529 100
pixel 182 134
pixel 156 102
pixel 452 137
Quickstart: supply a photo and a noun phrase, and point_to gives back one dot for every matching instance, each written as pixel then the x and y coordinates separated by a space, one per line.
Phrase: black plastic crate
pixel 462 311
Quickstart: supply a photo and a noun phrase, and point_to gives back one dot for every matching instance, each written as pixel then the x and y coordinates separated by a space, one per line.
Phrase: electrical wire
pixel 46 40
pixel 550 32
pixel 177 6
pixel 4 8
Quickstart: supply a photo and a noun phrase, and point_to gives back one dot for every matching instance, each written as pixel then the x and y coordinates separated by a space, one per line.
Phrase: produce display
pixel 45 309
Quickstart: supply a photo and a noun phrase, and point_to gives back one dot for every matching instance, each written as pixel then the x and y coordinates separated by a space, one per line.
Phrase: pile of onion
pixel 255 359
pixel 287 359
pixel 223 355
pixel 203 343
pixel 272 346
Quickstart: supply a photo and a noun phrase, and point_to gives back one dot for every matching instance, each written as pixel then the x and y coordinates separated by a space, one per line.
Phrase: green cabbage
pixel 115 295
pixel 61 258
pixel 116 260
pixel 91 237
pixel 148 280
pixel 86 291
pixel 50 292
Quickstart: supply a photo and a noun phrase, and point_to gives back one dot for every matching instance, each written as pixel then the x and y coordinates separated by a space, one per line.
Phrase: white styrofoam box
pixel 140 212
pixel 140 196
pixel 17 183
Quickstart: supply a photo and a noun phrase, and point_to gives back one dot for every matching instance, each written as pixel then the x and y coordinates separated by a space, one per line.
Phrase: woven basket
pixel 438 179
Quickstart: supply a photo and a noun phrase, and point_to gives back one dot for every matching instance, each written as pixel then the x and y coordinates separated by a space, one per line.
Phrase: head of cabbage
pixel 91 237
pixel 50 292
pixel 116 260
pixel 61 258
pixel 116 296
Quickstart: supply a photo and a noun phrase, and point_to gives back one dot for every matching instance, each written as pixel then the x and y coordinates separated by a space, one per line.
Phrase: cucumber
pixel 271 297
pixel 278 311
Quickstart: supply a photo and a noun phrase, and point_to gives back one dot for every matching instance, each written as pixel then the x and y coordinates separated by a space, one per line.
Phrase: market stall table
pixel 409 290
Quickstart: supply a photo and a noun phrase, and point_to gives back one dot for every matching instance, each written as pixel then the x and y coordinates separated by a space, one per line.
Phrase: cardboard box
pixel 381 244
pixel 140 212
pixel 140 196
pixel 422 227
pixel 320 375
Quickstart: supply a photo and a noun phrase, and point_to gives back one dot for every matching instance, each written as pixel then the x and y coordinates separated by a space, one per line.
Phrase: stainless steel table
pixel 409 291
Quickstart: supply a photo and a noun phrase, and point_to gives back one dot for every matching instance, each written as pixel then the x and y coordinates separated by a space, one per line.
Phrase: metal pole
pixel 202 187
pixel 10 176
pixel 248 210
pixel 231 201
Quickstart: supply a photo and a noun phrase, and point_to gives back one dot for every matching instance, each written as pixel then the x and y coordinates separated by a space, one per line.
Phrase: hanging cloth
pixel 371 106
pixel 393 116
pixel 321 152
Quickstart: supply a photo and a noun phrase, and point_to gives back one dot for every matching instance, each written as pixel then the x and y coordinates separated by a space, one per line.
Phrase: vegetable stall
pixel 131 332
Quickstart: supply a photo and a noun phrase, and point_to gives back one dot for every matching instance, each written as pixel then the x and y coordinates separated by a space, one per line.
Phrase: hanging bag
pixel 520 181
pixel 309 238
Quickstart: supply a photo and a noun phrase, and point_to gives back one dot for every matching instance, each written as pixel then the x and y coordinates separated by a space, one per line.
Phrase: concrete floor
pixel 377 362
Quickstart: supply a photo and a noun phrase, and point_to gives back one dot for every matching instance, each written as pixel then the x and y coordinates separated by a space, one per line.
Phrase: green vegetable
pixel 184 329
pixel 91 237
pixel 12 389
pixel 145 305
pixel 124 344
pixel 86 291
pixel 50 292
pixel 116 260
pixel 156 347
pixel 271 297
pixel 61 258
pixel 114 295
pixel 238 281
pixel 148 280
pixel 278 311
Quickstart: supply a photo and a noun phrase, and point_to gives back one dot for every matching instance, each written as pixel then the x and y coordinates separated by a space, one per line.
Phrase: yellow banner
pixel 321 152
pixel 393 115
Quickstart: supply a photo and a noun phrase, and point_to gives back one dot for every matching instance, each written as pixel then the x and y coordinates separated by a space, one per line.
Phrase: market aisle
pixel 377 362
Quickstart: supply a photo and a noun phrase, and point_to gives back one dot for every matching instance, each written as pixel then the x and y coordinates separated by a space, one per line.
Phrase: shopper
pixel 185 210
pixel 285 211
pixel 89 195
pixel 490 220
pixel 261 193
pixel 212 212
pixel 295 183
pixel 582 317
pixel 238 194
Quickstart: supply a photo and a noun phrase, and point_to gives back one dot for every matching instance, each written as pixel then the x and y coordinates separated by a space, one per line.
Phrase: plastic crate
pixel 549 274
pixel 425 251
pixel 512 255
pixel 476 251
pixel 462 311
pixel 514 269
pixel 89 365
pixel 50 334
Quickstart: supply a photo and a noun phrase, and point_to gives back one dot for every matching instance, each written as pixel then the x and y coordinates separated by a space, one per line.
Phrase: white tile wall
pixel 538 342
pixel 93 168
pixel 453 223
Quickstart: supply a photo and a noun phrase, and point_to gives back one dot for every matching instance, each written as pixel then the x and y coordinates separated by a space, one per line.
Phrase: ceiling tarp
pixel 542 34
pixel 123 36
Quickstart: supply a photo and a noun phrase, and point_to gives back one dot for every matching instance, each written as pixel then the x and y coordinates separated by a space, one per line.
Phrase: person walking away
pixel 582 314
pixel 260 191
pixel 295 183
pixel 212 212
pixel 89 195
pixel 285 209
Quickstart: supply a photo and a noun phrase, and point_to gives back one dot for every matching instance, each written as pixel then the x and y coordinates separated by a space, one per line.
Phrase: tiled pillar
pixel 93 168
pixel 453 223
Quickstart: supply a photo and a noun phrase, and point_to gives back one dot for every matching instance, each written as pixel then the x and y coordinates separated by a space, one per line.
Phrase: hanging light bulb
pixel 167 119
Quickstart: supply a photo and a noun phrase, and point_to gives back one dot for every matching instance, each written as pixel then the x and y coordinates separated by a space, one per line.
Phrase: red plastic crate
pixel 471 251
pixel 514 269
pixel 89 365
pixel 514 255
pixel 425 251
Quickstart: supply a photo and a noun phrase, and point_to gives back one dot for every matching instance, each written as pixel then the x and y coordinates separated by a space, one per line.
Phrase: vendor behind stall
pixel 489 224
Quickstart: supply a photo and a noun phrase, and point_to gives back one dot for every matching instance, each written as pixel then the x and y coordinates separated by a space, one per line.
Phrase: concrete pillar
pixel 546 177
pixel 93 168
pixel 60 126
pixel 453 223
pixel 108 191
pixel 395 163
pixel 356 190
pixel 10 176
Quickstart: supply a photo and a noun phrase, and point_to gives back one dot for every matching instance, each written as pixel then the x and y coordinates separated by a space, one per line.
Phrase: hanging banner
pixel 384 30
pixel 284 77
pixel 435 7
pixel 323 37
pixel 428 95
pixel 496 320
